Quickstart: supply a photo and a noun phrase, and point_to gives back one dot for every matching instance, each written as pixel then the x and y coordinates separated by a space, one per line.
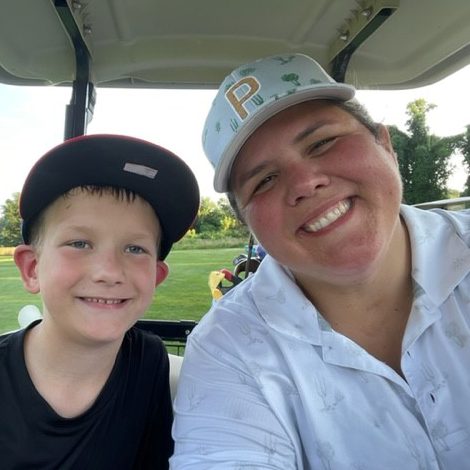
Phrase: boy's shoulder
pixel 142 362
pixel 144 345
pixel 141 335
pixel 6 339
pixel 137 343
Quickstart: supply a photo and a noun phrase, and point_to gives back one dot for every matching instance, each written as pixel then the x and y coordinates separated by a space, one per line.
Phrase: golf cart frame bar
pixel 80 110
pixel 353 40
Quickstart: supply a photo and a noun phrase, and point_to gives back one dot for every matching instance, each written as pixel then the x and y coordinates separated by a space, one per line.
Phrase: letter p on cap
pixel 237 103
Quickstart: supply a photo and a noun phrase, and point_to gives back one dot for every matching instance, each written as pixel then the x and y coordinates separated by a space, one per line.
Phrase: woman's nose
pixel 303 181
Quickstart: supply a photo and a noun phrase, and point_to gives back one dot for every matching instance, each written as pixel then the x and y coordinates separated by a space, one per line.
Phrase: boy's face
pixel 96 267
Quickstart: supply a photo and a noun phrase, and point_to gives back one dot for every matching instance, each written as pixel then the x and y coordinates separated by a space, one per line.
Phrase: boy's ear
pixel 162 272
pixel 26 260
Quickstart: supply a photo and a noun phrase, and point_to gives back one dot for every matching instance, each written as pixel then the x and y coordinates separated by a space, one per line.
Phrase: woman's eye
pixel 321 144
pixel 80 244
pixel 266 180
pixel 134 249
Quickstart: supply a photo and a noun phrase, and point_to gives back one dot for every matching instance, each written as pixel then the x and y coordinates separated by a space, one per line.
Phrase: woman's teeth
pixel 335 213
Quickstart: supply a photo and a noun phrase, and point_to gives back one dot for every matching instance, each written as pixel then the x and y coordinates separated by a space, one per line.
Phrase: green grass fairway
pixel 183 296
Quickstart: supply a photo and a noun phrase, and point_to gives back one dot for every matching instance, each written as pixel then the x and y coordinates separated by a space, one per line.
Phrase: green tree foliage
pixel 452 193
pixel 217 220
pixel 208 218
pixel 423 158
pixel 10 233
pixel 464 147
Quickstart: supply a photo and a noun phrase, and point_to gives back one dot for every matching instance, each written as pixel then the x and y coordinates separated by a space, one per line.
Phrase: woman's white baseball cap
pixel 252 94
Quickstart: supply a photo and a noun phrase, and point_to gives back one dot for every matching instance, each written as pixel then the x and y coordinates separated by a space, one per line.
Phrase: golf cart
pixel 94 44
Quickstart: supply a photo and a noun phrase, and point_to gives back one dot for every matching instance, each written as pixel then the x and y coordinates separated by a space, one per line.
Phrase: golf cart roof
pixel 380 44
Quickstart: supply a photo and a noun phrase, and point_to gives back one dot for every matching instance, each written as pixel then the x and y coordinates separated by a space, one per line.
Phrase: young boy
pixel 83 389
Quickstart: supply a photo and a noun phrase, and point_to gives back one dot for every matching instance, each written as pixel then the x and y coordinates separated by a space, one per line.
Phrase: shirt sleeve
pixel 222 419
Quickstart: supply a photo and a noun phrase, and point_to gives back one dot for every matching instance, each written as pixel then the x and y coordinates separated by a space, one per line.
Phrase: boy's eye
pixel 134 249
pixel 80 244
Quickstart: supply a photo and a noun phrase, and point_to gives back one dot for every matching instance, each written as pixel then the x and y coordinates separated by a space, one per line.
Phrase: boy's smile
pixel 97 266
pixel 103 301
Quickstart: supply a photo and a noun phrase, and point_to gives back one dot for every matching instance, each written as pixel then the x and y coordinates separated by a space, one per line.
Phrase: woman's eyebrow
pixel 243 178
pixel 308 131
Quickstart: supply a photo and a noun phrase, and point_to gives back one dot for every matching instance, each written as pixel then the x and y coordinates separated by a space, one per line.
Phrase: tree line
pixel 215 220
pixel 423 159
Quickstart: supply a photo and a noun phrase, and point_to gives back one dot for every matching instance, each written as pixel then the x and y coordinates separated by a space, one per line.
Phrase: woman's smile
pixel 329 217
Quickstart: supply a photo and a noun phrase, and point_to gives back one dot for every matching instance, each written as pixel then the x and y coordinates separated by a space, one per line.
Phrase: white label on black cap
pixel 140 170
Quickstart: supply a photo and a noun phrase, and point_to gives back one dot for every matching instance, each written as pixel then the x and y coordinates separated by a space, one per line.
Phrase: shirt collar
pixel 440 258
pixel 283 305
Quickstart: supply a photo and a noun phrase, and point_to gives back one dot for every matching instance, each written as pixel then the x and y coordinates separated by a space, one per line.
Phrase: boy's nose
pixel 108 268
pixel 304 180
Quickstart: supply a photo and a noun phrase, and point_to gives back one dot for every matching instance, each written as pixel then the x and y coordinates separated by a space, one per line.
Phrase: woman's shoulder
pixel 458 221
pixel 435 219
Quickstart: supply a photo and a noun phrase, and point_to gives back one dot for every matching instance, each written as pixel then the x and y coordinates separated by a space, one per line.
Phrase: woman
pixel 349 348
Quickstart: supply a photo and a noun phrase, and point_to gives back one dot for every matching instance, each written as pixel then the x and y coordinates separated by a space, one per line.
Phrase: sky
pixel 31 122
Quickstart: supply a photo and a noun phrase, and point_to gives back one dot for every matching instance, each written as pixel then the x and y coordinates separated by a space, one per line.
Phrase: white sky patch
pixel 32 122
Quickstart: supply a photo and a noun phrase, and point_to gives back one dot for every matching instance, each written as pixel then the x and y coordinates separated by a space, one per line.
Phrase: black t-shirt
pixel 128 426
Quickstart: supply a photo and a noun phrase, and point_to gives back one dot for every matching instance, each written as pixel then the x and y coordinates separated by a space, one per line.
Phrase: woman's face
pixel 320 192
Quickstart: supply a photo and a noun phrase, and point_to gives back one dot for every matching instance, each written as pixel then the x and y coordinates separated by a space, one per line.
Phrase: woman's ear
pixel 384 139
pixel 162 272
pixel 386 143
pixel 26 260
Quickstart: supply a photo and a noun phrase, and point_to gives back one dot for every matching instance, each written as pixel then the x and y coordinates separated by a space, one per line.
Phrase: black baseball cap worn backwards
pixel 152 172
